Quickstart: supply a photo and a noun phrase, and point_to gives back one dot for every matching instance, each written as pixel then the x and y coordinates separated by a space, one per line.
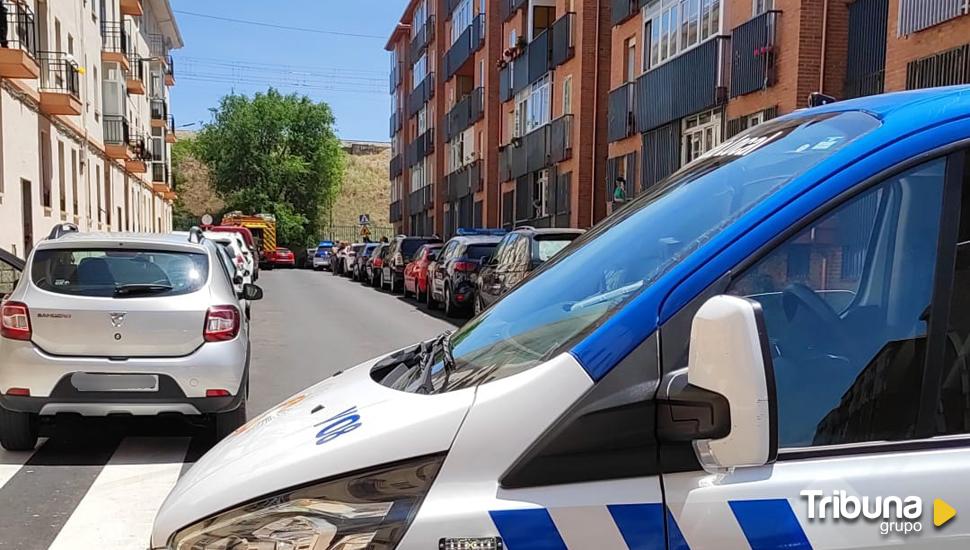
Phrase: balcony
pixel 561 139
pixel 421 199
pixel 469 41
pixel 159 112
pixel 422 39
pixel 139 154
pixel 624 9
pixel 947 68
pixel 464 181
pixel 534 61
pixel 157 47
pixel 420 95
pixel 135 82
pixel 753 54
pixel 421 147
pixel 18 46
pixel 395 214
pixel 116 136
pixel 170 136
pixel 507 8
pixel 563 39
pixel 115 45
pixel 621 121
pixel 160 183
pixel 396 166
pixel 131 7
pixel 469 110
pixel 525 155
pixel 691 82
pixel 169 71
pixel 395 76
pixel 395 123
pixel 59 84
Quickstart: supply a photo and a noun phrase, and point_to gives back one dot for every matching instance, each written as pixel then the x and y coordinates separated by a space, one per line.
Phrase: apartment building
pixel 85 128
pixel 497 110
pixel 687 74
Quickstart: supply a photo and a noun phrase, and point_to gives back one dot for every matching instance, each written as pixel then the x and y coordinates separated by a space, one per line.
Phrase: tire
pixel 449 307
pixel 404 286
pixel 225 423
pixel 429 299
pixel 18 430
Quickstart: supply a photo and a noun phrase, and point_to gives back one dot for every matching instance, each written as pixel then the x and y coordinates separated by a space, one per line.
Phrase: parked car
pixel 282 257
pixel 376 263
pixel 519 252
pixel 360 265
pixel 350 259
pixel 247 237
pixel 11 269
pixel 321 258
pixel 398 255
pixel 242 257
pixel 416 272
pixel 453 276
pixel 123 323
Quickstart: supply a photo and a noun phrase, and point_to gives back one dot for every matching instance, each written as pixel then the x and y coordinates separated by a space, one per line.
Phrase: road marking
pixel 108 517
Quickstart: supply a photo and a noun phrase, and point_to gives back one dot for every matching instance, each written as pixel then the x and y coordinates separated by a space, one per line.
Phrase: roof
pixel 400 28
pixel 548 230
pixel 163 13
pixel 471 239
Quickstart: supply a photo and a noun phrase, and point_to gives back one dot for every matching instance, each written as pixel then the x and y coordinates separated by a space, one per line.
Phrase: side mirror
pixel 251 292
pixel 725 402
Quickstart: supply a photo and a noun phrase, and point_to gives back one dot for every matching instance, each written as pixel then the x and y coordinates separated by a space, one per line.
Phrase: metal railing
pixel 466 112
pixel 115 130
pixel 468 42
pixel 59 73
pixel 114 36
pixel 561 139
pixel 623 10
pixel 159 172
pixel 753 54
pixel 621 122
pixel 421 94
pixel 136 64
pixel 20 31
pixel 917 15
pixel 171 124
pixel 395 211
pixel 139 146
pixel 396 165
pixel 169 66
pixel 395 76
pixel 422 39
pixel 156 46
pixel 947 68
pixel 563 39
pixel 159 109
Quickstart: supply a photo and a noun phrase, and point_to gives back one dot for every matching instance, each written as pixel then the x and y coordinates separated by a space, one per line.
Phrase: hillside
pixel 365 190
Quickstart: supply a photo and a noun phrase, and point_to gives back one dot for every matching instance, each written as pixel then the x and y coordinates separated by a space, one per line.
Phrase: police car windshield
pixel 590 280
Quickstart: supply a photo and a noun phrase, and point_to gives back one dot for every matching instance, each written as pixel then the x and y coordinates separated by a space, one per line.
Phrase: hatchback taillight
pixel 221 323
pixel 15 321
pixel 465 266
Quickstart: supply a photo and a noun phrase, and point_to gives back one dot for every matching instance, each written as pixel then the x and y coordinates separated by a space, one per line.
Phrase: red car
pixel 282 257
pixel 416 272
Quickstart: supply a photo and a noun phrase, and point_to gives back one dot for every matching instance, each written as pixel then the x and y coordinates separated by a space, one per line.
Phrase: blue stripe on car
pixel 641 525
pixel 531 529
pixel 769 524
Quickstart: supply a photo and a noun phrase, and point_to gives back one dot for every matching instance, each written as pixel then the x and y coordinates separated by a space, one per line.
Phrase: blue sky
pixel 349 70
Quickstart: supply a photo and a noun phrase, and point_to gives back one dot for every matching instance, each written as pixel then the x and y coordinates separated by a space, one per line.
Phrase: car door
pixel 866 307
pixel 436 271
pixel 516 267
pixel 490 287
pixel 11 269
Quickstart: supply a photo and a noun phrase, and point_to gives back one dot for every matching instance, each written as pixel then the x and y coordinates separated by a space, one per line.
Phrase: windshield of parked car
pixel 410 246
pixel 547 246
pixel 601 271
pixel 116 273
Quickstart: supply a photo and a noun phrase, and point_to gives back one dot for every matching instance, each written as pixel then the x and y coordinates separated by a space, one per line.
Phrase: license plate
pixel 83 381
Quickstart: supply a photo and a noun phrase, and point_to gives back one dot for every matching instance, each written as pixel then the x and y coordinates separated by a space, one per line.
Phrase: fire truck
pixel 263 228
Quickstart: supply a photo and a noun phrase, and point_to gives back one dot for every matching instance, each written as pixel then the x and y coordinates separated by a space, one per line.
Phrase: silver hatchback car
pixel 131 324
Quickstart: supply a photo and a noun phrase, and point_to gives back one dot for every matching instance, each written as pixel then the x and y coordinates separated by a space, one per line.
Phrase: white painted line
pixel 12 461
pixel 118 510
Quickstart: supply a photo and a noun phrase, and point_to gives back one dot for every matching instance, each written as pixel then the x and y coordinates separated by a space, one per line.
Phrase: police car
pixel 779 362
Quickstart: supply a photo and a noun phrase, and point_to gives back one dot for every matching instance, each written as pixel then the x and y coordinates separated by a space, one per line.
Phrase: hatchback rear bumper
pixel 182 381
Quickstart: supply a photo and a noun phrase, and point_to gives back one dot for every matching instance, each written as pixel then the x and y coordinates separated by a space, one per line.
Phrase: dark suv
pixel 519 252
pixel 452 276
pixel 398 255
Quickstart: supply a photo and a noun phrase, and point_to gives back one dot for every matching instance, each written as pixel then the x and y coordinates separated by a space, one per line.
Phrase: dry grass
pixel 365 190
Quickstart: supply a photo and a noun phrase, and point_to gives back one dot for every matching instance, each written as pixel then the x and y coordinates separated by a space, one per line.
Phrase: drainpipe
pixel 596 123
pixel 825 28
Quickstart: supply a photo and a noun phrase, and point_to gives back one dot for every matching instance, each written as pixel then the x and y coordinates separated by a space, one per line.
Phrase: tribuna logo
pixel 897 515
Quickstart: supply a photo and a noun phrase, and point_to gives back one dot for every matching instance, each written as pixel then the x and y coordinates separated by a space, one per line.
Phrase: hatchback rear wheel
pixel 18 430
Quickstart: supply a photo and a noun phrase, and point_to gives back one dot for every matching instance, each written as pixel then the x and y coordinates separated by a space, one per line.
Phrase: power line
pixel 251 63
pixel 247 70
pixel 280 27
pixel 264 84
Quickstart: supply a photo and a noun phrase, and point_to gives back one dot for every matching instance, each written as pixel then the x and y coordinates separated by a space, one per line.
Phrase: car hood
pixel 280 448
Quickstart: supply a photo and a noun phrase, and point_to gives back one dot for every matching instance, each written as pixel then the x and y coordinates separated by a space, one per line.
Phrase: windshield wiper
pixel 141 288
pixel 443 341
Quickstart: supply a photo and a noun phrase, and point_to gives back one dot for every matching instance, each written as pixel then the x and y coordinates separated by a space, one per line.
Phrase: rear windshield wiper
pixel 443 341
pixel 141 288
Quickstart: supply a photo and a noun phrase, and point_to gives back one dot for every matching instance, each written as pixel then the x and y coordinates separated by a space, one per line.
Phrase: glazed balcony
pixel 160 177
pixel 18 44
pixel 115 43
pixel 116 136
pixel 59 84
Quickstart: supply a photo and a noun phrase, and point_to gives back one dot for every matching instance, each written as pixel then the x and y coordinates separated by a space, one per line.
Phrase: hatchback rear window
pixel 119 273
pixel 479 251
pixel 410 246
pixel 548 245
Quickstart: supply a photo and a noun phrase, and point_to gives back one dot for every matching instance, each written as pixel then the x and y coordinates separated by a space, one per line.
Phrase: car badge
pixel 117 319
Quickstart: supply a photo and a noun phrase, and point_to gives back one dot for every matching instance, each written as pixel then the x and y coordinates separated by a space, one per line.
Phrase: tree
pixel 274 153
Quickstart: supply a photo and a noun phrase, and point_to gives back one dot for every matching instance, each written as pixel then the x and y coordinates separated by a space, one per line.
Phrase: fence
pixel 352 233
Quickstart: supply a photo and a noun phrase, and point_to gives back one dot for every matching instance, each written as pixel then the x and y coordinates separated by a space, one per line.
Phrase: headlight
pixel 366 510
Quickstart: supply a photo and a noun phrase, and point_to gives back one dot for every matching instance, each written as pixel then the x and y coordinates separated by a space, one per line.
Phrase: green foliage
pixel 274 153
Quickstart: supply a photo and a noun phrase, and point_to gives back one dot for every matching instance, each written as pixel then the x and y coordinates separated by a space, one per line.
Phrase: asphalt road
pixel 96 483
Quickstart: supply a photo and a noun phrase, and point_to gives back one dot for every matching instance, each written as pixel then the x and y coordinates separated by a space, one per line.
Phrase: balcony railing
pixel 421 199
pixel 395 123
pixel 158 108
pixel 563 39
pixel 157 48
pixel 169 71
pixel 753 54
pixel 917 15
pixel 623 10
pixel 59 74
pixel 139 146
pixel 469 42
pixel 469 110
pixel 947 68
pixel 420 95
pixel 395 212
pixel 116 130
pixel 396 166
pixel 464 181
pixel 395 76
pixel 114 35
pixel 507 8
pixel 422 39
pixel 561 139
pixel 420 148
pixel 622 106
pixel 525 155
pixel 20 31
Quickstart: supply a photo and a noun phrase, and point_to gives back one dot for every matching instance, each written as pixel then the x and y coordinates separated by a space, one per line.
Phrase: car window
pixel 9 275
pixel 104 272
pixel 479 251
pixel 449 251
pixel 519 254
pixel 505 249
pixel 547 246
pixel 589 281
pixel 227 266
pixel 844 302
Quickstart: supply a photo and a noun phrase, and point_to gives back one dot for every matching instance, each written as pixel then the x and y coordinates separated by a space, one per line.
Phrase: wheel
pixel 269 267
pixel 405 287
pixel 18 430
pixel 429 298
pixel 225 423
pixel 449 308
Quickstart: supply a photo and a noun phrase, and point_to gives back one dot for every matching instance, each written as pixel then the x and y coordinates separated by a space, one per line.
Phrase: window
pixel 760 6
pixel 540 194
pixel 461 19
pixel 95 272
pixel 420 70
pixel 74 189
pixel 701 133
pixel 97 185
pixel 630 60
pixel 61 176
pixel 46 183
pixel 567 95
pixel 539 104
pixel 848 346
pixel 674 26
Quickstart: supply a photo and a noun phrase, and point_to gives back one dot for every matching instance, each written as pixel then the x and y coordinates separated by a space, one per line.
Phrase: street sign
pixel 364 219
pixel 364 231
pixel 207 219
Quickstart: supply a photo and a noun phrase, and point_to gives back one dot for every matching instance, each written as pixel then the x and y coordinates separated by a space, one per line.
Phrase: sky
pixel 341 62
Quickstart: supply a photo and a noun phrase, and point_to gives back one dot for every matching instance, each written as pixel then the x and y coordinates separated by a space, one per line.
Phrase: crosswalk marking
pixel 117 511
